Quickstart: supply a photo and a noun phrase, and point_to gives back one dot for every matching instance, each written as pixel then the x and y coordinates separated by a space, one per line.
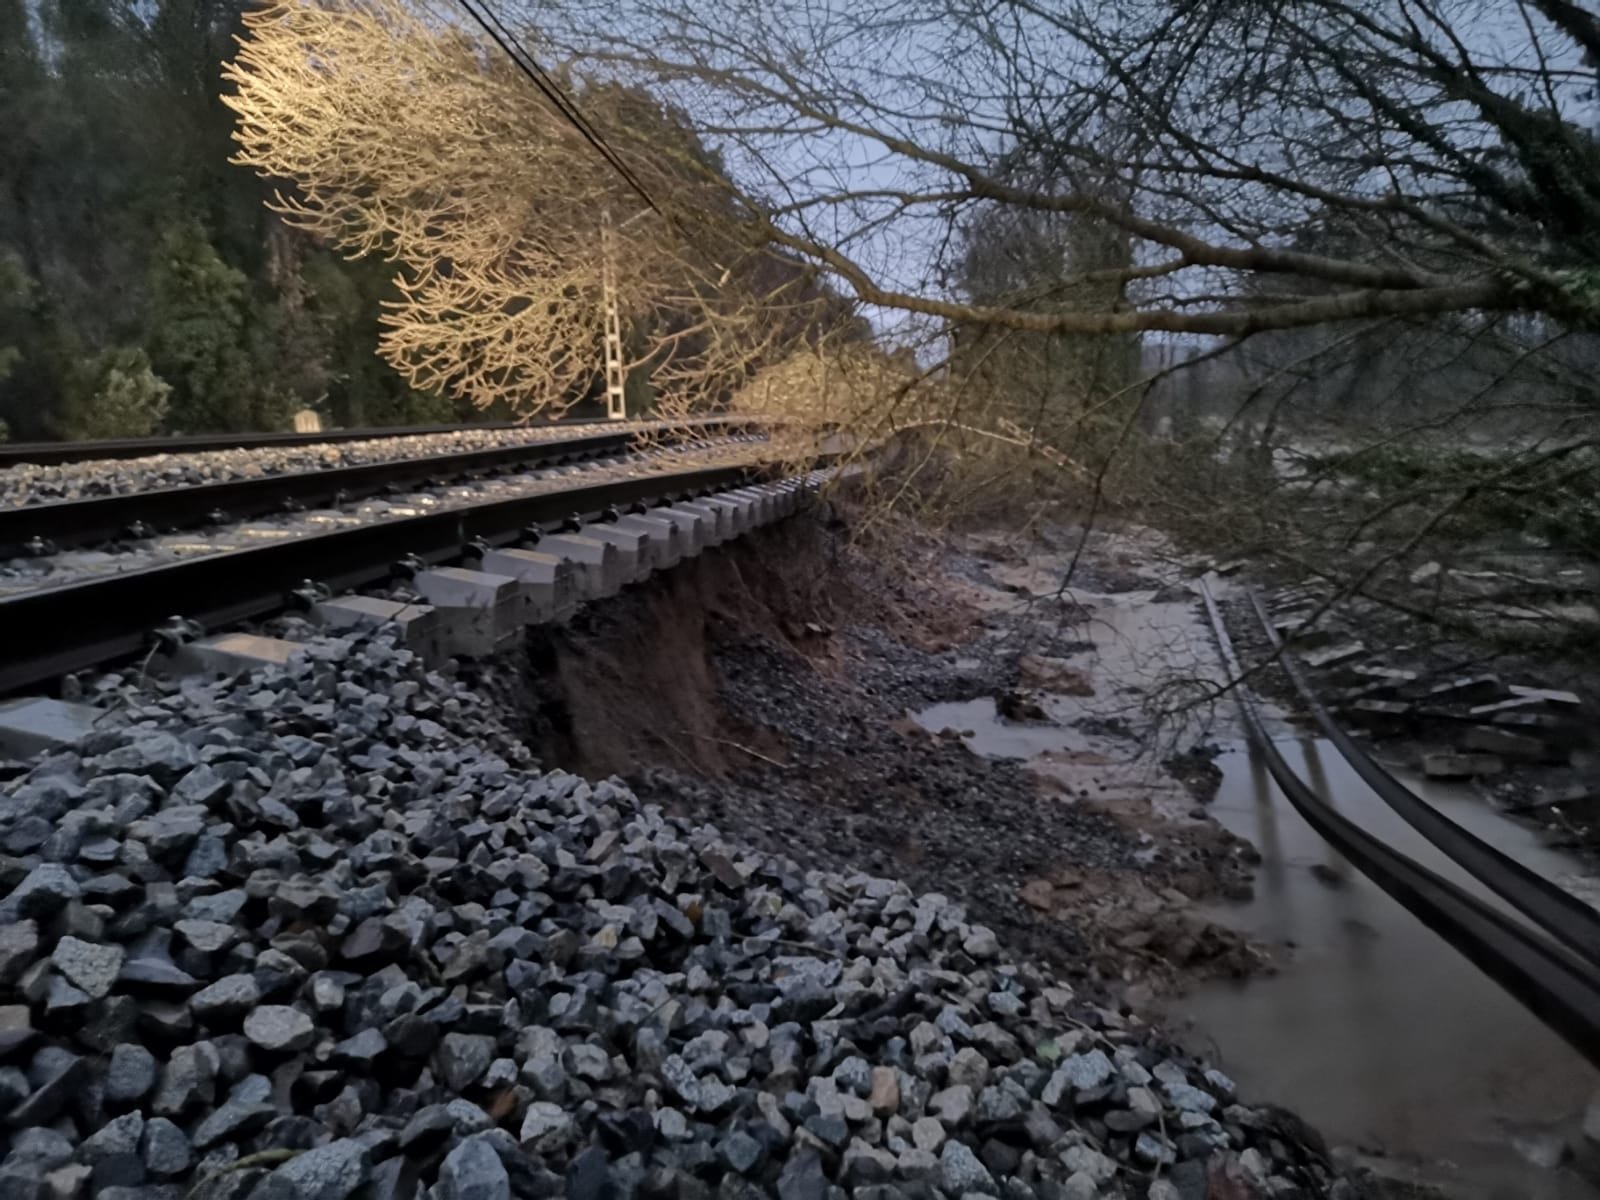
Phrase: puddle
pixel 986 732
pixel 1376 1031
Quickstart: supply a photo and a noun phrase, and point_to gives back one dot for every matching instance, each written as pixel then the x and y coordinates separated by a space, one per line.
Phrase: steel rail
pixel 54 453
pixel 1560 989
pixel 1552 908
pixel 68 523
pixel 51 632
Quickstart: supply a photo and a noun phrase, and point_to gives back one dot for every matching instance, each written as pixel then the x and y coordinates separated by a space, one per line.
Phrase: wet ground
pixel 1374 1029
pixel 1020 757
pixel 1368 1025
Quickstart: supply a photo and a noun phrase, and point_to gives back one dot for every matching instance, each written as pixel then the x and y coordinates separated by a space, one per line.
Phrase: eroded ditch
pixel 1039 755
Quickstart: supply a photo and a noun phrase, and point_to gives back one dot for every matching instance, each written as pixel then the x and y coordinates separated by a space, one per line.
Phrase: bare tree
pixel 1442 141
pixel 401 131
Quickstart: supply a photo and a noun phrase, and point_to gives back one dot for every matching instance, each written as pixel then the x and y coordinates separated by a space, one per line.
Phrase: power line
pixel 552 91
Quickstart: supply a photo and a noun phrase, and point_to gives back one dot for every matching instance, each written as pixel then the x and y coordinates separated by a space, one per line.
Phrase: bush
pixel 114 394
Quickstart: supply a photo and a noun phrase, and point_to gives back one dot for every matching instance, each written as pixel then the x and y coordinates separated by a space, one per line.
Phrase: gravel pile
pixel 34 484
pixel 329 932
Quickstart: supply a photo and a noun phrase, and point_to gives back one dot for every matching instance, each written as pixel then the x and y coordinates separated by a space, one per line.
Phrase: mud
pixel 1042 732
pixel 784 692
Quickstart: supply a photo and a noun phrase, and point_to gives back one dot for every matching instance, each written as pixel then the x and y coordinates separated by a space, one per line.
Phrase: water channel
pixel 1376 1031
pixel 1373 1029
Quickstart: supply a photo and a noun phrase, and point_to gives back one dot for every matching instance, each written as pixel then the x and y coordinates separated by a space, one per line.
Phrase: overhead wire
pixel 552 90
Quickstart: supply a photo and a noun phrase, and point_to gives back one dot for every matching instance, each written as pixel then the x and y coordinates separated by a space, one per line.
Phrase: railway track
pixel 37 529
pixel 52 453
pixel 1556 977
pixel 48 632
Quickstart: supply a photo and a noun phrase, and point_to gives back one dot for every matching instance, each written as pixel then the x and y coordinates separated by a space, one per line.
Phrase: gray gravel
pixel 33 484
pixel 471 978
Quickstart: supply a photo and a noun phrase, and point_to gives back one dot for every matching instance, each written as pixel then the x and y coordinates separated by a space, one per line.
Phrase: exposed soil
pixel 770 690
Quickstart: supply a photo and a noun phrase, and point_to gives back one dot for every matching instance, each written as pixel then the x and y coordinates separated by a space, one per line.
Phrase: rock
pixel 67 1183
pixel 589 1175
pixel 1190 1099
pixel 854 1075
pixel 279 1029
pixel 1086 1071
pixel 1005 1103
pixel 1152 1150
pixel 56 1075
pixel 803 1178
pixel 884 1095
pixel 16 1028
pixel 917 1164
pixel 588 1062
pixel 331 1172
pixel 231 1121
pixel 863 1164
pixel 473 1171
pixel 952 1106
pixel 671 1124
pixel 165 1149
pixel 44 892
pixel 364 1049
pixel 1461 766
pixel 961 1172
pixel 45 1148
pixel 1090 1162
pixel 130 1074
pixel 119 1136
pixel 90 966
pixel 740 1151
pixel 187 1080
pixel 1544 1150
pixel 227 1000
pixel 462 1058
pixel 1591 1120
pixel 22 1181
pixel 981 943
pixel 545 1125
pixel 206 936
pixel 927 1133
pixel 971 1068
pixel 19 945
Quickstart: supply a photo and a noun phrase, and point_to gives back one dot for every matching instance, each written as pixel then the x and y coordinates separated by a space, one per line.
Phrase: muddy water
pixel 984 732
pixel 1375 1030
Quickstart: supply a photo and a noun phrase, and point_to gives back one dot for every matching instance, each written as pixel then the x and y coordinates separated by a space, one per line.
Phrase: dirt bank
pixel 789 692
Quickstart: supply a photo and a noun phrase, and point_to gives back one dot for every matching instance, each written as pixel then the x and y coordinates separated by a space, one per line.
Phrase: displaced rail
pixel 52 632
pixel 1559 913
pixel 44 528
pixel 52 453
pixel 1560 988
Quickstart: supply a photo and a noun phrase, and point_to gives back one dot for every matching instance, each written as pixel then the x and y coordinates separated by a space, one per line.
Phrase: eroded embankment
pixel 775 689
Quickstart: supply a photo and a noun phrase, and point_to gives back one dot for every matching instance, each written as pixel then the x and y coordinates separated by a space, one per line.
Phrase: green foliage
pixel 16 298
pixel 114 394
pixel 124 228
pixel 198 338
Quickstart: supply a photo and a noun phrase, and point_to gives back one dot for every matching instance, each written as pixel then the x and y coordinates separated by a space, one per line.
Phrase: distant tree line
pixel 144 285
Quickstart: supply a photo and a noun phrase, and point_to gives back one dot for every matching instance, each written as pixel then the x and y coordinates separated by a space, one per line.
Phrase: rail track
pixel 49 631
pixel 52 453
pixel 1557 982
pixel 44 528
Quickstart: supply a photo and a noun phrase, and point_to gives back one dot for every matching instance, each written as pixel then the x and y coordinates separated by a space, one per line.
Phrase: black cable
pixel 1561 990
pixel 553 92
pixel 1557 911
